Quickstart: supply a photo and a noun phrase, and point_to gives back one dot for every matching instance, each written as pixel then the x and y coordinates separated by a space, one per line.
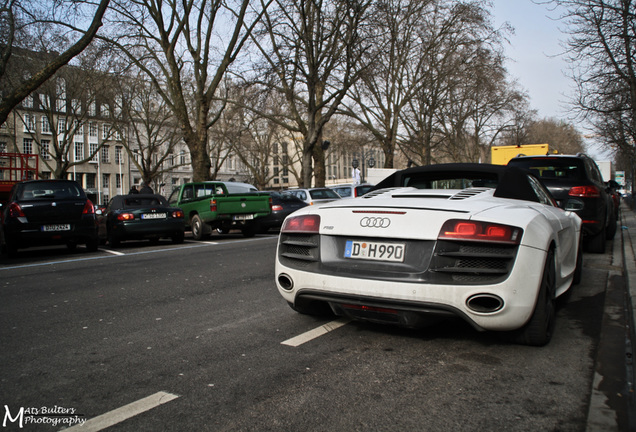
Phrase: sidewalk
pixel 613 401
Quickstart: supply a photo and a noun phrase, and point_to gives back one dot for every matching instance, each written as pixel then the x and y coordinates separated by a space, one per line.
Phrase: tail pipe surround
pixel 285 281
pixel 484 303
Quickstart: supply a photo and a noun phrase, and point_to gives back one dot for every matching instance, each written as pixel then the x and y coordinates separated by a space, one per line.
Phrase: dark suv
pixel 45 212
pixel 577 185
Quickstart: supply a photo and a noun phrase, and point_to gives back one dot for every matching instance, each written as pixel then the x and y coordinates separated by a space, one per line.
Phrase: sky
pixel 536 62
pixel 534 51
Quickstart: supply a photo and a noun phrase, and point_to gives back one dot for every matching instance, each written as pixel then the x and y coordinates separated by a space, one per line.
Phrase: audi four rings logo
pixel 375 222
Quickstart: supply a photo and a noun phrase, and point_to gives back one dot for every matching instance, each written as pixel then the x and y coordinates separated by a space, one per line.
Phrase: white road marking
pixel 124 413
pixel 317 332
pixel 113 252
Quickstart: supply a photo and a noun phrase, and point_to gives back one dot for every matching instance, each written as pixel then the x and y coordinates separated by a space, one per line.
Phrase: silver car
pixel 314 196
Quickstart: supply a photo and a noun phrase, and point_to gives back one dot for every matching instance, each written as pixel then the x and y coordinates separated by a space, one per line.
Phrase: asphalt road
pixel 190 338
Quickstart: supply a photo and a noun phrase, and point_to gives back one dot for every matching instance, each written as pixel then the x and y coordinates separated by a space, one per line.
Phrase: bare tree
pixel 150 136
pixel 185 48
pixel 562 137
pixel 602 49
pixel 312 52
pixel 23 17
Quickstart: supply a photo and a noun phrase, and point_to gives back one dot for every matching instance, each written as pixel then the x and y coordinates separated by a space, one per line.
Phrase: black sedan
pixel 48 212
pixel 283 204
pixel 138 217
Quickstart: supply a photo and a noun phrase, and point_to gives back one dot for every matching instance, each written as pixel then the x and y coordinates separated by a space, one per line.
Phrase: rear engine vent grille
pixel 478 263
pixel 299 250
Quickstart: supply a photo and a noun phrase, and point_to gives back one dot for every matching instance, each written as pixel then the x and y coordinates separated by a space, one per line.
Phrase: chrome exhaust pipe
pixel 484 303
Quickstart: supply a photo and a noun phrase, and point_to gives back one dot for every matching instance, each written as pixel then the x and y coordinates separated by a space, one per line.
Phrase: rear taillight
pixel 480 231
pixel 303 224
pixel 271 203
pixel 277 207
pixel 88 208
pixel 125 216
pixel 213 205
pixel 585 192
pixel 15 210
pixel 178 214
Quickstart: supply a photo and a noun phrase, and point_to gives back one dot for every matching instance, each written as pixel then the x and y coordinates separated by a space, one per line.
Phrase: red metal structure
pixel 14 168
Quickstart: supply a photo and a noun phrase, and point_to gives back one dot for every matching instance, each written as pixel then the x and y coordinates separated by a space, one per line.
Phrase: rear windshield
pixel 132 201
pixel 451 180
pixel 50 190
pixel 323 194
pixel 552 168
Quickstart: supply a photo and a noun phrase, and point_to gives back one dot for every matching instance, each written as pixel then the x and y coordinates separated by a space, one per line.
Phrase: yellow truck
pixel 500 155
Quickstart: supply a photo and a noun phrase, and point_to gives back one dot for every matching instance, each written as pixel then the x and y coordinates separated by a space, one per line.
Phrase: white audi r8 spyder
pixel 486 243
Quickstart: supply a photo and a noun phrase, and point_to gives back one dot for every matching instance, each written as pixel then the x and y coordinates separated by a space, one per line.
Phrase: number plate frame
pixel 154 216
pixel 56 227
pixel 375 251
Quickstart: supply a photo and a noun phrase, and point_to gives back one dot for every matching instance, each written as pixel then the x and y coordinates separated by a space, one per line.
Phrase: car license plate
pixel 56 227
pixel 153 216
pixel 393 252
pixel 244 217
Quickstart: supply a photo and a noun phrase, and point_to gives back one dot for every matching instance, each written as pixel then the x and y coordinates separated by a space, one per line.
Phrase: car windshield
pixel 451 180
pixel 323 194
pixel 50 190
pixel 132 201
pixel 551 168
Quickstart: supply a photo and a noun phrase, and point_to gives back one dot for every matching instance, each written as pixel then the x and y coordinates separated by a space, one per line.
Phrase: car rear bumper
pixel 517 294
pixel 26 235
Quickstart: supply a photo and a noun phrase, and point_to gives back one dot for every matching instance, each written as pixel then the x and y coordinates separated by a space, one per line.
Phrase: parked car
pixel 220 206
pixel 48 212
pixel 485 243
pixel 577 185
pixel 283 204
pixel 351 190
pixel 138 217
pixel 315 196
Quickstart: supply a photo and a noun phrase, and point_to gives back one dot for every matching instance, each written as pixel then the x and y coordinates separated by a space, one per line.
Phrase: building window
pixel 105 158
pixel 46 126
pixel 79 151
pixel 92 109
pixel 29 123
pixel 90 180
pixel 105 110
pixel 79 129
pixel 106 181
pixel 27 146
pixel 3 147
pixel 118 156
pixel 182 158
pixel 45 149
pixel 61 126
pixel 118 178
pixel 93 130
pixel 92 148
pixel 28 102
pixel 106 131
pixel 76 106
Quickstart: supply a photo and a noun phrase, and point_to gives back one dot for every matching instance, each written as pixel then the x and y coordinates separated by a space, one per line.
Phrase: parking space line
pixel 113 252
pixel 317 332
pixel 118 415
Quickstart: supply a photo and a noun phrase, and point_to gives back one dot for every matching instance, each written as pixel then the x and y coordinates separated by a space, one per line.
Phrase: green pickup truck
pixel 222 206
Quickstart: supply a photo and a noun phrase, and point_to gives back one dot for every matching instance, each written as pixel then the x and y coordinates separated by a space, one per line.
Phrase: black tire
pixel 596 244
pixel 611 229
pixel 113 240
pixel 92 245
pixel 177 238
pixel 11 249
pixel 198 227
pixel 539 329
pixel 249 230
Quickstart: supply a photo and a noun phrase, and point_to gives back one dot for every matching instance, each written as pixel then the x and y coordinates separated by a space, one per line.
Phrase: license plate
pixel 56 227
pixel 153 216
pixel 244 217
pixel 392 252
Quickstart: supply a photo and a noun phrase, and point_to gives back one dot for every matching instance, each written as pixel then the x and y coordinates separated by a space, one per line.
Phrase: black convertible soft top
pixel 509 182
